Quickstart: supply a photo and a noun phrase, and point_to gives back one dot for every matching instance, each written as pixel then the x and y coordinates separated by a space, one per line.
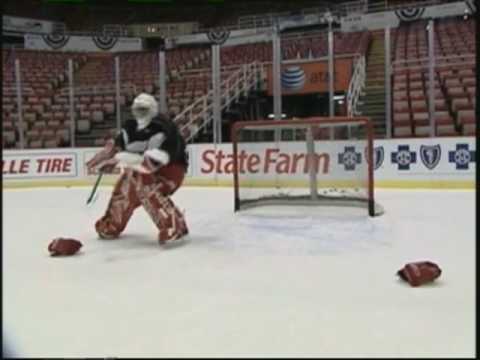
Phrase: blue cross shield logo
pixel 462 156
pixel 378 156
pixel 404 157
pixel 430 155
pixel 349 158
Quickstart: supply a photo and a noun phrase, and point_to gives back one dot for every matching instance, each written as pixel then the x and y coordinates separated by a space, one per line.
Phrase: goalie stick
pixel 91 199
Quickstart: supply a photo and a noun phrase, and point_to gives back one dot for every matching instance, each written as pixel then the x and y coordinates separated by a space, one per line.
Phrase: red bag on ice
pixel 420 272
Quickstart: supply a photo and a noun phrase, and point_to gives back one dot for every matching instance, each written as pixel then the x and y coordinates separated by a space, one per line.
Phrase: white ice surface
pixel 265 282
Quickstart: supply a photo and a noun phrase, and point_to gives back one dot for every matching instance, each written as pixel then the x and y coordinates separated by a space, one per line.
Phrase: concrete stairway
pixel 87 74
pixel 372 100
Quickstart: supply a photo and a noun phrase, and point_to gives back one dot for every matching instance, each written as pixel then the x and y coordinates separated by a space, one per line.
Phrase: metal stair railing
pixel 356 86
pixel 199 114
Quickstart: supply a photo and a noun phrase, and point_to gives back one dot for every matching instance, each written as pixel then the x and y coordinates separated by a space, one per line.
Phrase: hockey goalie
pixel 152 153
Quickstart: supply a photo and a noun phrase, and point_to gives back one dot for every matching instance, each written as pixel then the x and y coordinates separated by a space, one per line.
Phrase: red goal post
pixel 304 170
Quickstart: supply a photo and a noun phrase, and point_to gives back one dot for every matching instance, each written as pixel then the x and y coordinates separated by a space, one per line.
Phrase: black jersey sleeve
pixel 181 149
pixel 173 143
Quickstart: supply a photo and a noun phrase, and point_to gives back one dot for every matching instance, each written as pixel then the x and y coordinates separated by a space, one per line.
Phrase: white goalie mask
pixel 144 109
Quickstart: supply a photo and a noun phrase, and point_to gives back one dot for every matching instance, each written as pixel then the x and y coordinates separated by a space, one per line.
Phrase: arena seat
pixel 63 134
pixel 402 124
pixel 466 118
pixel 454 73
pixel 35 144
pixel 51 142
pixel 462 103
pixel 8 137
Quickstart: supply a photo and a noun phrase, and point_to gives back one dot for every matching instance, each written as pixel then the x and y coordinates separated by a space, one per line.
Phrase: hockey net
pixel 309 161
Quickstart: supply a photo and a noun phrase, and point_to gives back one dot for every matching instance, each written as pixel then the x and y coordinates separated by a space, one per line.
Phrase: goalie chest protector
pixel 161 133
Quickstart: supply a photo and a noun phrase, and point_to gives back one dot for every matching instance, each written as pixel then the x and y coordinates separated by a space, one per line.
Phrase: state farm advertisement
pixel 269 160
pixel 26 165
pixel 419 162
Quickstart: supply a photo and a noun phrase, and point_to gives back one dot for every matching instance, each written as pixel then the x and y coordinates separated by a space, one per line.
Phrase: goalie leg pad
pixel 166 216
pixel 175 225
pixel 120 208
pixel 153 192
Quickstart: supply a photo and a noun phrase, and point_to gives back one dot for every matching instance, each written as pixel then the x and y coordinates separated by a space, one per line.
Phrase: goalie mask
pixel 144 109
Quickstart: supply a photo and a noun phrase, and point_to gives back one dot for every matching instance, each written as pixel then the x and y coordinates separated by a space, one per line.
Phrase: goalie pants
pixel 152 191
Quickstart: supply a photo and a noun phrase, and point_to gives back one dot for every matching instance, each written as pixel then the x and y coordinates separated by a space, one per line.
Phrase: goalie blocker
pixel 152 154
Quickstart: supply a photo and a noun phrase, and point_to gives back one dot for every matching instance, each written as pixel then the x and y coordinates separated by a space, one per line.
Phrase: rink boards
pixel 398 163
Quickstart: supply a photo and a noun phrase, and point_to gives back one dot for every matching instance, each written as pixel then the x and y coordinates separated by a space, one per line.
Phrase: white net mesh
pixel 316 162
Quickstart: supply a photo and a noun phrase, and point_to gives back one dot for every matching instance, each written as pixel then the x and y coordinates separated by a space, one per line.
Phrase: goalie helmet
pixel 144 109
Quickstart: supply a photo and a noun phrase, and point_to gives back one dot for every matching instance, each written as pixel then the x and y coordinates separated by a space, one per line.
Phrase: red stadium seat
pixel 461 104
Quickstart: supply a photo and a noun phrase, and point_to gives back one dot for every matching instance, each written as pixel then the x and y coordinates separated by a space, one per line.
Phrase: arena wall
pixel 399 163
